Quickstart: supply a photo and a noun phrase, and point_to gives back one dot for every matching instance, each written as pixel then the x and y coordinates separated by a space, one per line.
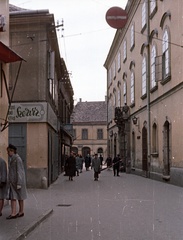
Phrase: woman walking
pixel 16 182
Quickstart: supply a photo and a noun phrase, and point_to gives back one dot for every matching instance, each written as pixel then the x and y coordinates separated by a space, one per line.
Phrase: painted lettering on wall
pixel 27 112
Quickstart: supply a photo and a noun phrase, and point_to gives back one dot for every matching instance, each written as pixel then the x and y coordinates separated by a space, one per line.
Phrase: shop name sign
pixel 27 112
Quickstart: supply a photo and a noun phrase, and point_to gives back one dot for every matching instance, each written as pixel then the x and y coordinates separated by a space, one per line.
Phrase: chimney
pixel 80 100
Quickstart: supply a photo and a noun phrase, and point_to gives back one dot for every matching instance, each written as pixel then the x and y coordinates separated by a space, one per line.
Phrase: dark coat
pixel 87 161
pixel 3 179
pixel 116 162
pixel 71 166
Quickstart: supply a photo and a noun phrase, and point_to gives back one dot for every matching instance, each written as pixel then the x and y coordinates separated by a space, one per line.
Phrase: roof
pixel 85 112
pixel 13 8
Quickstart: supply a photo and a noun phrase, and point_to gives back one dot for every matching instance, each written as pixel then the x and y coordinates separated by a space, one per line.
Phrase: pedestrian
pixel 108 162
pixel 96 166
pixel 116 165
pixel 80 163
pixel 3 183
pixel 87 162
pixel 77 165
pixel 71 166
pixel 16 182
pixel 101 160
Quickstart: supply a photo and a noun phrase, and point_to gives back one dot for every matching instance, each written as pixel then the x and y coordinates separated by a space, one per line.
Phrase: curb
pixel 23 233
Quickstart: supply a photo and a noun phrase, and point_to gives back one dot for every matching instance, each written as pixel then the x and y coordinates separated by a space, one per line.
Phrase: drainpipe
pixel 148 92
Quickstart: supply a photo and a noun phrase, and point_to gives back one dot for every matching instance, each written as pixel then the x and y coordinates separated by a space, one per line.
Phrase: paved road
pixel 128 207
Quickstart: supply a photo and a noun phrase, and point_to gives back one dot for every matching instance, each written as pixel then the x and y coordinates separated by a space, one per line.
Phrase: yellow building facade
pixel 144 68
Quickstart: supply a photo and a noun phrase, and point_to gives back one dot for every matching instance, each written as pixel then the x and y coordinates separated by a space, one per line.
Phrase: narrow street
pixel 128 207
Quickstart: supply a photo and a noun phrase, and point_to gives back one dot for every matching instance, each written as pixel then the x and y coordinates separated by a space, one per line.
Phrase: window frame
pixel 132 88
pixel 124 50
pixel 144 76
pixel 100 134
pixel 166 72
pixel 132 37
pixel 84 134
pixel 144 16
pixel 153 67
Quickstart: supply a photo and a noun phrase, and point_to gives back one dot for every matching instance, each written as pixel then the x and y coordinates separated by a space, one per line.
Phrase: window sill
pixel 166 79
pixel 144 96
pixel 154 89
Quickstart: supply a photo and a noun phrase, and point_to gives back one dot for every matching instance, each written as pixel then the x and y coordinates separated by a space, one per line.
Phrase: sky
pixel 84 41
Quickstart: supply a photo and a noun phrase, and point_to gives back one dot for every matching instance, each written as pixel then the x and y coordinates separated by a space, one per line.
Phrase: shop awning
pixel 7 55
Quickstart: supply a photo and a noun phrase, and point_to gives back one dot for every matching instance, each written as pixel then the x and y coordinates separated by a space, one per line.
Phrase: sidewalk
pixel 17 229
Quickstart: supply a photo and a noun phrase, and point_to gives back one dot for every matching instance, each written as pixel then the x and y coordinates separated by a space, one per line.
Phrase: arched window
pixel 154 139
pixel 132 37
pixel 124 51
pixel 153 5
pixel 153 67
pixel 144 75
pixel 132 84
pixel 124 92
pixel 144 15
pixel 165 56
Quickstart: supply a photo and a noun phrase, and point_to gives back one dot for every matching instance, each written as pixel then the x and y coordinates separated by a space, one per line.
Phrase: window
pixel 166 56
pixel 152 6
pixel 51 86
pixel 114 70
pixel 124 92
pixel 114 98
pixel 119 61
pixel 84 134
pixel 154 139
pixel 132 88
pixel 51 72
pixel 124 51
pixel 153 67
pixel 144 76
pixel 143 15
pixel 119 98
pixel 132 39
pixel 99 134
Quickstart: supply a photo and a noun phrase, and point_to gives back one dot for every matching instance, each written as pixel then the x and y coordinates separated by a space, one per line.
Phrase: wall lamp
pixel 136 122
pixel 135 119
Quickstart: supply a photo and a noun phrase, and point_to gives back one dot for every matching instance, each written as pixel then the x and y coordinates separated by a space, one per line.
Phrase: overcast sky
pixel 84 42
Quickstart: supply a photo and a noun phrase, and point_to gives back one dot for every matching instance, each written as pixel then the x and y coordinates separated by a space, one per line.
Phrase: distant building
pixel 145 72
pixel 89 120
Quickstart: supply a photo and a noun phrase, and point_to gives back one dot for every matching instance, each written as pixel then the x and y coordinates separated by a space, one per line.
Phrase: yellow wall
pixel 37 145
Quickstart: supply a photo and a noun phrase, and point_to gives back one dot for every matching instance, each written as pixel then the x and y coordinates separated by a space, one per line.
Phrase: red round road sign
pixel 116 17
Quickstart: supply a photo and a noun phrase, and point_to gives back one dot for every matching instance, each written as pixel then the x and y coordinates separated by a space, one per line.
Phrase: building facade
pixel 8 57
pixel 39 106
pixel 144 73
pixel 89 120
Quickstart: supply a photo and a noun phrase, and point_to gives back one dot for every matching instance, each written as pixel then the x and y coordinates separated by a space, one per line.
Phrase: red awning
pixel 7 55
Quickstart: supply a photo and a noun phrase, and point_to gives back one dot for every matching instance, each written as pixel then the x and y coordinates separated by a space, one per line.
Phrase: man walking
pixel 116 165
pixel 96 166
